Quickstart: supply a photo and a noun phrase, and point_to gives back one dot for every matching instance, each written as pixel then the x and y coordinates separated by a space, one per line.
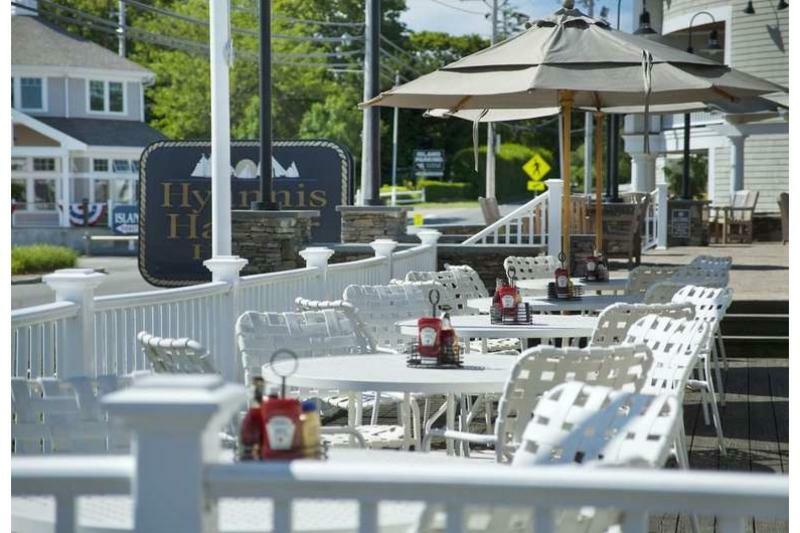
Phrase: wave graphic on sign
pixel 245 169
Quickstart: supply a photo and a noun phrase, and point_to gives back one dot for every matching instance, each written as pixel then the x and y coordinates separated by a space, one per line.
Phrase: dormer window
pixel 28 94
pixel 106 96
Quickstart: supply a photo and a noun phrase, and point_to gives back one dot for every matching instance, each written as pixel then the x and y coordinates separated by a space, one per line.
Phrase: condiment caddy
pixel 437 345
pixel 563 288
pixel 276 427
pixel 507 305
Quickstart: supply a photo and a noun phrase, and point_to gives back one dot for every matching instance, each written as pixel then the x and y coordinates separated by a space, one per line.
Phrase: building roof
pixel 105 132
pixel 39 43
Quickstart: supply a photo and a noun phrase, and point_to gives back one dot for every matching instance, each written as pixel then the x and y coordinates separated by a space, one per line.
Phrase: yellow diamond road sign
pixel 537 186
pixel 536 168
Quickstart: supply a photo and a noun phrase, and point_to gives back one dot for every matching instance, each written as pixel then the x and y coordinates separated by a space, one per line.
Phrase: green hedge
pixel 41 258
pixel 445 191
pixel 511 180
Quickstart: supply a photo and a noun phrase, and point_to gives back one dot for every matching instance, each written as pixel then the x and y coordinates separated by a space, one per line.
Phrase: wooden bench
pixel 88 239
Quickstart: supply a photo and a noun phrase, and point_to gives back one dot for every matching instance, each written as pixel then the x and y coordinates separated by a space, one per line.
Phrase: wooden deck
pixel 755 421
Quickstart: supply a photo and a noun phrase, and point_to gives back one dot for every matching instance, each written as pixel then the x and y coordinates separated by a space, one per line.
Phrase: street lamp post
pixel 265 112
pixel 713 44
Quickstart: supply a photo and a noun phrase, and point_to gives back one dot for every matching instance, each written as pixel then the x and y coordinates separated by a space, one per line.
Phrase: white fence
pixel 176 479
pixel 86 335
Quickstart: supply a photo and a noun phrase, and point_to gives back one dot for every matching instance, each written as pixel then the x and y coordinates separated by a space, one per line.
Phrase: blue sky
pixel 468 16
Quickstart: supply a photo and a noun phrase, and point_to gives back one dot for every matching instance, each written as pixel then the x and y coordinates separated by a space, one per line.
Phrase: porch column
pixel 737 162
pixel 63 215
pixel 643 165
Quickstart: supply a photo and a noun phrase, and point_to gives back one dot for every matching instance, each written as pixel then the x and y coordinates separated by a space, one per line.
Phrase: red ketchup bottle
pixel 429 338
pixel 562 278
pixel 509 299
pixel 281 427
pixel 251 433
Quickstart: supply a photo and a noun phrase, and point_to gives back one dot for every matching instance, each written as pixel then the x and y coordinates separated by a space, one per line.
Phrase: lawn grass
pixel 37 258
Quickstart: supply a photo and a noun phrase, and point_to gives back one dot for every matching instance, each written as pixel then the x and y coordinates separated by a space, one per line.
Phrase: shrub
pixel 41 258
pixel 445 191
pixel 511 182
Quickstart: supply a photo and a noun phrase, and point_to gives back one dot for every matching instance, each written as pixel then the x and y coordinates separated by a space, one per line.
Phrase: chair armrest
pixel 335 430
pixel 474 438
pixel 384 349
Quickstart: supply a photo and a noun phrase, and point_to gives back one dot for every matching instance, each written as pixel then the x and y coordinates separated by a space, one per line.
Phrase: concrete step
pixel 755 325
pixel 758 347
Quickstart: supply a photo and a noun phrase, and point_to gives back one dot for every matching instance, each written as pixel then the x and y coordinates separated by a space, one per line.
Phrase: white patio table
pixel 115 513
pixel 379 372
pixel 541 304
pixel 543 327
pixel 613 285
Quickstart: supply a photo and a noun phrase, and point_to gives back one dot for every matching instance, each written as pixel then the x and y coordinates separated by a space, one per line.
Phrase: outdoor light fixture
pixel 604 12
pixel 644 22
pixel 783 4
pixel 749 9
pixel 713 37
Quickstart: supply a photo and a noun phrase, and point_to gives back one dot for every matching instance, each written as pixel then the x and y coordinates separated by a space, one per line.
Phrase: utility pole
pixel 490 133
pixel 394 145
pixel 370 136
pixel 265 112
pixel 588 133
pixel 121 27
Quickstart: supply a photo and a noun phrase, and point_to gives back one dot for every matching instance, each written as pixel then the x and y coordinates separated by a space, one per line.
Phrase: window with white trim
pixel 44 164
pixel 19 164
pixel 31 94
pixel 122 165
pixel 100 165
pixel 106 96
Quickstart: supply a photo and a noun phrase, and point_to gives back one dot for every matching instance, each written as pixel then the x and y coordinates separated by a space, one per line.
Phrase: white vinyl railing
pixel 38 338
pixel 655 229
pixel 175 478
pixel 183 312
pixel 524 226
pixel 83 335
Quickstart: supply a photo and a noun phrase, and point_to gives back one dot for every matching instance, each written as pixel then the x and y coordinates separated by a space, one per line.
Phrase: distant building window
pixel 100 191
pixel 100 165
pixel 19 192
pixel 134 165
pixel 122 165
pixel 115 97
pixel 31 94
pixel 106 96
pixel 80 189
pixel 44 164
pixel 79 164
pixel 44 194
pixel 19 164
pixel 97 96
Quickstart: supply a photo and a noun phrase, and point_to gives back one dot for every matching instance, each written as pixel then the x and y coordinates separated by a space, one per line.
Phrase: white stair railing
pixel 524 226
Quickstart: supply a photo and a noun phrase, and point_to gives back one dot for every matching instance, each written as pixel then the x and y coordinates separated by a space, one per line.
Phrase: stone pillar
pixel 737 162
pixel 226 268
pixel 76 285
pixel 175 421
pixel 364 224
pixel 271 240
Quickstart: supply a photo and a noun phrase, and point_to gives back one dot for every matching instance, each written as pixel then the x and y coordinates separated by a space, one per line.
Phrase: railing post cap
pixel 554 181
pixel 314 253
pixel 383 247
pixel 429 236
pixel 225 267
pixel 85 278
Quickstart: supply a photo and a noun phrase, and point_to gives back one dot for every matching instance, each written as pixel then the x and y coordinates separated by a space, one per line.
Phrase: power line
pixel 471 12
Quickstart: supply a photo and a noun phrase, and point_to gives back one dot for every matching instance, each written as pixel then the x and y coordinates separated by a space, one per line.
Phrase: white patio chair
pixel 643 277
pixel 454 295
pixel 677 346
pixel 711 262
pixel 538 370
pixel 538 267
pixel 590 426
pixel 175 356
pixel 314 334
pixel 615 320
pixel 662 292
pixel 49 415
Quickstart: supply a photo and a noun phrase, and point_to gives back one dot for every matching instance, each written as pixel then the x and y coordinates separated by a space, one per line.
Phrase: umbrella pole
pixel 566 205
pixel 598 182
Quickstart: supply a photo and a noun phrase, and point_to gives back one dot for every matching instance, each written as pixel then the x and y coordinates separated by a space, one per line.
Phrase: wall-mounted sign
pixel 175 198
pixel 429 163
pixel 125 219
pixel 680 225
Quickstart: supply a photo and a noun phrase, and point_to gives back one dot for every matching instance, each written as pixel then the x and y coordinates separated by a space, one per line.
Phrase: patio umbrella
pixel 573 60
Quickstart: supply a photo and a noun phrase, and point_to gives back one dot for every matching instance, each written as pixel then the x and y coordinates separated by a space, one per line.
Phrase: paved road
pixel 123 276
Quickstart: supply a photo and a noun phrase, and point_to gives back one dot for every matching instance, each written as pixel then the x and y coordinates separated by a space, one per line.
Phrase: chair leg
pixel 682 457
pixel 714 354
pixel 722 351
pixel 715 414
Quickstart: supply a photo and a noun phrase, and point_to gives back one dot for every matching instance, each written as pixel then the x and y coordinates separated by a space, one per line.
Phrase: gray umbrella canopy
pixel 601 67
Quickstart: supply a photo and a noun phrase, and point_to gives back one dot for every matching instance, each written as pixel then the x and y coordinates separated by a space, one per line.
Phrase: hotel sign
pixel 175 198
